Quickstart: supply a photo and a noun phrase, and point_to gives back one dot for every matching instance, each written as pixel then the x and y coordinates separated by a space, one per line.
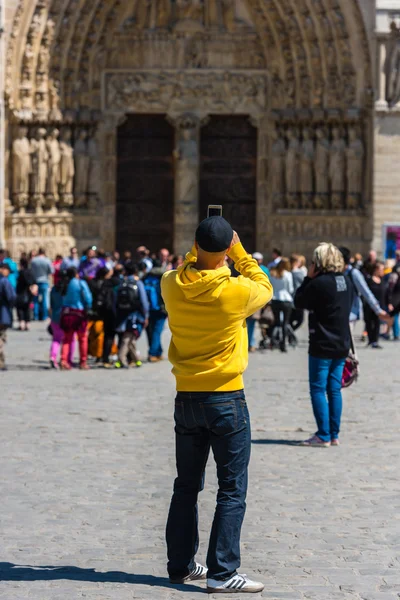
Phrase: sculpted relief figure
pixel 143 9
pixel 337 165
pixel 190 15
pixel 355 163
pixel 322 152
pixel 81 169
pixel 21 168
pixel 278 153
pixel 292 168
pixel 186 155
pixel 39 167
pixel 307 153
pixel 53 175
pixel 229 14
pixel 67 169
pixel 163 13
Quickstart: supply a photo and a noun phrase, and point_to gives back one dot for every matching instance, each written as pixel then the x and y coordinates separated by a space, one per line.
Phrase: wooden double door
pixel 145 178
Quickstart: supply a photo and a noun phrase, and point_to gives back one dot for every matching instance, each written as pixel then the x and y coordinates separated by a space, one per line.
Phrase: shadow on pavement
pixel 277 442
pixel 12 572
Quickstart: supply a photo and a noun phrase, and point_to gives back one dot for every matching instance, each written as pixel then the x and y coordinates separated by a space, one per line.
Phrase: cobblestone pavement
pixel 87 464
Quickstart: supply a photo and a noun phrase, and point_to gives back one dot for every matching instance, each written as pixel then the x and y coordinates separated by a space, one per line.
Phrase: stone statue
pixel 67 169
pixel 292 168
pixel 186 155
pixel 307 153
pixel 39 168
pixel 163 13
pixel 229 14
pixel 53 175
pixel 278 153
pixel 94 171
pixel 81 169
pixel 21 168
pixel 337 163
pixel 190 15
pixel 143 14
pixel 355 163
pixel 322 151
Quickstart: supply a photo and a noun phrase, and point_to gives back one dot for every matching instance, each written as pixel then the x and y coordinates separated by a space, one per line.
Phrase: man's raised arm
pixel 261 291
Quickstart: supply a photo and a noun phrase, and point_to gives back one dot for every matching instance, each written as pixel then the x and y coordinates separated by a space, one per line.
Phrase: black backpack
pixel 128 298
pixel 103 300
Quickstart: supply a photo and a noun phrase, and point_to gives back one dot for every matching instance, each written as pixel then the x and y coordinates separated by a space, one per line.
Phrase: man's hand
pixel 391 308
pixel 235 239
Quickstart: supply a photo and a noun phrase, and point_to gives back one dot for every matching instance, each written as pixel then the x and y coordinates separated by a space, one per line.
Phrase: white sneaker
pixel 199 572
pixel 239 584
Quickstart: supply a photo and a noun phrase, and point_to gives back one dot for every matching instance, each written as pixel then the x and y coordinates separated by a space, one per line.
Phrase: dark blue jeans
pixel 326 395
pixel 220 421
pixel 156 325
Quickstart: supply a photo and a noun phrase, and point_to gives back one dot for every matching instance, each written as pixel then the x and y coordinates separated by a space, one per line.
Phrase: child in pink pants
pixel 56 301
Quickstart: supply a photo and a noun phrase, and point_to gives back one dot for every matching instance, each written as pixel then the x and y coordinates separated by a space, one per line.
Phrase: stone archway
pixel 300 69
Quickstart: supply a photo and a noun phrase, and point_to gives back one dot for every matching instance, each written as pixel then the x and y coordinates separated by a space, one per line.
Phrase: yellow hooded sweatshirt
pixel 207 313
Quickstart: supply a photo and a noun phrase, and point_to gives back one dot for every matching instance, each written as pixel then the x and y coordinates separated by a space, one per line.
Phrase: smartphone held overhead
pixel 214 210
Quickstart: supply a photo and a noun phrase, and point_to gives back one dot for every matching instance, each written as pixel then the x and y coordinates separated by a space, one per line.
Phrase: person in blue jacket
pixel 8 298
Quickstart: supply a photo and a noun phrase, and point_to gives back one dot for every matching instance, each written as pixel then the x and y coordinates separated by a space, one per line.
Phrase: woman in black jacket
pixel 25 292
pixel 328 296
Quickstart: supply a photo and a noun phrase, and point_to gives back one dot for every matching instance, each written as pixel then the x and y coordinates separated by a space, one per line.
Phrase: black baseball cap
pixel 4 265
pixel 214 234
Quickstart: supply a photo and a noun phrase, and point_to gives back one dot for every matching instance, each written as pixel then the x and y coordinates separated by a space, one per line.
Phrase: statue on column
pixel 186 156
pixel 322 151
pixel 143 14
pixel 307 153
pixel 278 153
pixel 81 169
pixel 355 163
pixel 229 15
pixel 39 168
pixel 94 171
pixel 292 168
pixel 21 169
pixel 163 13
pixel 190 15
pixel 337 166
pixel 53 178
pixel 67 169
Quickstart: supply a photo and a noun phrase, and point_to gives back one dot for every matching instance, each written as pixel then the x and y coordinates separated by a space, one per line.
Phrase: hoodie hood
pixel 201 286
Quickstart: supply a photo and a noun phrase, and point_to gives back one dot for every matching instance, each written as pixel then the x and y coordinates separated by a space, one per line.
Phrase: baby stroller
pixel 266 323
pixel 272 332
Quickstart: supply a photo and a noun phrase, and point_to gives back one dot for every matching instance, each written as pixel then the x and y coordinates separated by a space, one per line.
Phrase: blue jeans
pixel 156 325
pixel 40 305
pixel 220 421
pixel 326 395
pixel 251 325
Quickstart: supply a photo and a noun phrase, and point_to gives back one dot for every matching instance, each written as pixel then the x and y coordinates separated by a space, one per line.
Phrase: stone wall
pixel 387 174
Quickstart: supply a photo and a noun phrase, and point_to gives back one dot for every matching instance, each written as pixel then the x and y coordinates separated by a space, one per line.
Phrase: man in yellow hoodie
pixel 207 311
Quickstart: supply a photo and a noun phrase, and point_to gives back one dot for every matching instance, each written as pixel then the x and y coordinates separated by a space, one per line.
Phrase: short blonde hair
pixel 328 259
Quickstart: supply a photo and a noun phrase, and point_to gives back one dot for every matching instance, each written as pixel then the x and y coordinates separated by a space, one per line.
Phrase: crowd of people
pixel 376 298
pixel 104 301
pixel 101 302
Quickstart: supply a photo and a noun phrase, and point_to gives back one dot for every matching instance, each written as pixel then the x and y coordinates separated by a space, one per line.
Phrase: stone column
pixel 108 185
pixel 381 103
pixel 264 197
pixel 187 175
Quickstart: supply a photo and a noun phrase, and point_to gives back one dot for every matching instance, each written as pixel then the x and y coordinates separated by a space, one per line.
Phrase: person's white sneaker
pixel 199 572
pixel 239 584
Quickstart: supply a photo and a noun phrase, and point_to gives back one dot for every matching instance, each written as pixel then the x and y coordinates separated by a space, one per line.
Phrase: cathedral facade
pixel 125 119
